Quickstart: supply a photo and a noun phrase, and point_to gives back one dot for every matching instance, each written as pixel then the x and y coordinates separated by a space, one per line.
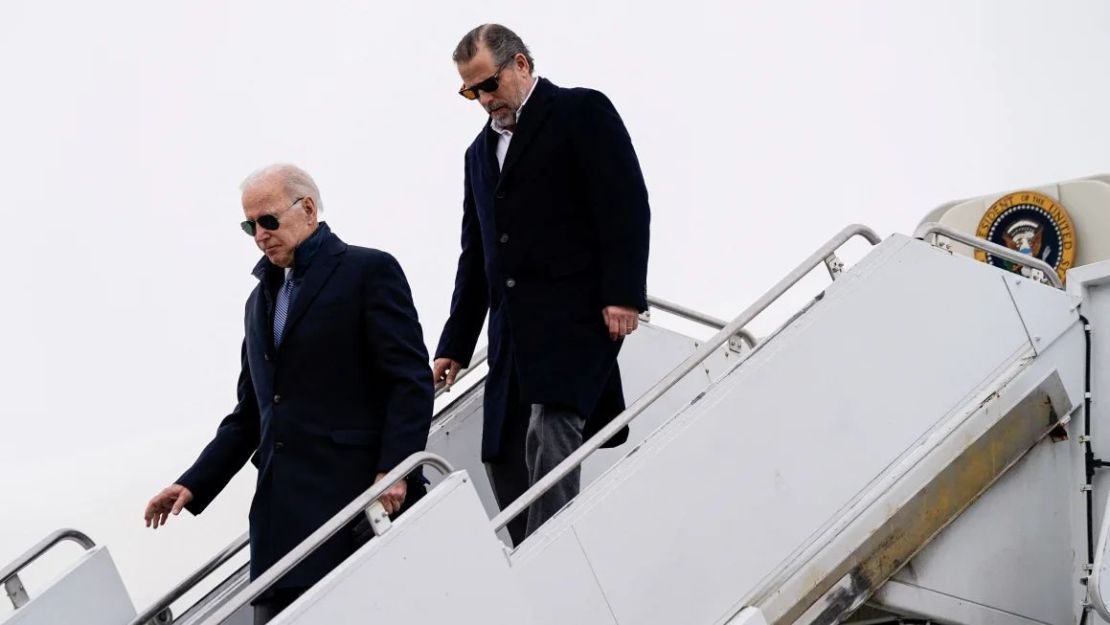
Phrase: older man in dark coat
pixel 555 247
pixel 335 389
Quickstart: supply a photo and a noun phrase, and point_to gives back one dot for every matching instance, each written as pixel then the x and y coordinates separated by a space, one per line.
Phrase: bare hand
pixel 444 371
pixel 620 320
pixel 394 497
pixel 170 501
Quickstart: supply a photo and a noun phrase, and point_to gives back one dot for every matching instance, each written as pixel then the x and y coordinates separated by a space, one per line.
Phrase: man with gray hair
pixel 335 389
pixel 555 247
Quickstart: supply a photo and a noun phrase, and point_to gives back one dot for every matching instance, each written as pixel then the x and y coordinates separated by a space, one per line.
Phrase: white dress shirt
pixel 506 134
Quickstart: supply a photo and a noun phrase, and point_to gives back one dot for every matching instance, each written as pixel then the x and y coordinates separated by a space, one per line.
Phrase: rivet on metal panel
pixel 379 520
pixel 834 265
pixel 735 344
pixel 16 592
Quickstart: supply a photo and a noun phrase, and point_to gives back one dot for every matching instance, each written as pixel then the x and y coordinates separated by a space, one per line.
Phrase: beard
pixel 503 114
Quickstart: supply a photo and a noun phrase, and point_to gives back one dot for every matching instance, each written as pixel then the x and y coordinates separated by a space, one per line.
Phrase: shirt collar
pixel 505 131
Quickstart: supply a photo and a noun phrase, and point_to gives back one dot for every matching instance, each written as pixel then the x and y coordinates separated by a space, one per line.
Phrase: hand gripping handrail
pixel 336 523
pixel 479 357
pixel 993 249
pixel 693 361
pixel 9 575
pixel 702 318
pixel 155 610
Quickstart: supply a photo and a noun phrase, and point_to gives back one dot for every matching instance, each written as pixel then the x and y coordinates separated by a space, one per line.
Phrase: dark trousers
pixel 535 439
pixel 508 474
pixel 274 602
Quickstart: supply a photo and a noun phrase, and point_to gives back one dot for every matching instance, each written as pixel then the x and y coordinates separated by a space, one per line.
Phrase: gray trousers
pixel 534 442
pixel 553 434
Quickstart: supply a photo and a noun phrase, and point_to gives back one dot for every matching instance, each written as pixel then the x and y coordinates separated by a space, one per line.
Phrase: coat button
pixel 277 399
pixel 500 195
pixel 266 356
pixel 504 238
pixel 278 446
pixel 510 283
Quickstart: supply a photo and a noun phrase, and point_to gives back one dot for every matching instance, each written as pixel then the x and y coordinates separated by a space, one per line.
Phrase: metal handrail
pixel 188 583
pixel 42 547
pixel 692 315
pixel 693 361
pixel 9 575
pixel 336 523
pixel 678 310
pixel 993 249
pixel 479 357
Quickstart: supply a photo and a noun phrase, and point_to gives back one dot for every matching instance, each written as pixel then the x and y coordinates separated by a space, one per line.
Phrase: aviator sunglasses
pixel 488 85
pixel 268 222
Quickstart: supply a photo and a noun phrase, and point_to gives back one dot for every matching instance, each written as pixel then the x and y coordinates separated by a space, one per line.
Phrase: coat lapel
pixel 262 324
pixel 532 117
pixel 319 270
pixel 487 152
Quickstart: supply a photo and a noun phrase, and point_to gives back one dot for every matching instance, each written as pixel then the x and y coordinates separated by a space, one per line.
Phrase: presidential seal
pixel 1031 223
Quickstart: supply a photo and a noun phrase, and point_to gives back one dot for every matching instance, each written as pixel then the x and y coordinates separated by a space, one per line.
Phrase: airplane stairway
pixel 784 484
pixel 789 492
pixel 455 434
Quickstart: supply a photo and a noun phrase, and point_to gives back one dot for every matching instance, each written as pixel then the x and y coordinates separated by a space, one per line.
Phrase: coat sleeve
pixel 236 439
pixel 617 198
pixel 470 301
pixel 397 344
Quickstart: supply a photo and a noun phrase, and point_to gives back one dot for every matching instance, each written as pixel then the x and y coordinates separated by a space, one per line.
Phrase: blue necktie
pixel 281 309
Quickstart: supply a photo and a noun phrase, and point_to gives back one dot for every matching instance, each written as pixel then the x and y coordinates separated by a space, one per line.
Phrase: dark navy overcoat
pixel 549 240
pixel 347 395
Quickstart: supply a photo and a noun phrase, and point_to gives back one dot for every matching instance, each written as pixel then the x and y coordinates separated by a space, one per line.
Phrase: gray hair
pixel 296 182
pixel 503 44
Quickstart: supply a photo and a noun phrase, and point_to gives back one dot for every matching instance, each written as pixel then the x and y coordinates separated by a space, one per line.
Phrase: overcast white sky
pixel 762 128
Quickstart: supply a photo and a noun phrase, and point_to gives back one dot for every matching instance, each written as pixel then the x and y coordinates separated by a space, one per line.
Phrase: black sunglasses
pixel 488 85
pixel 268 222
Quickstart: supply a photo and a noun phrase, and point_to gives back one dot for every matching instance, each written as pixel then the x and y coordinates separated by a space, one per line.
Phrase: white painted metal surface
pixel 90 592
pixel 437 564
pixel 812 431
pixel 944 608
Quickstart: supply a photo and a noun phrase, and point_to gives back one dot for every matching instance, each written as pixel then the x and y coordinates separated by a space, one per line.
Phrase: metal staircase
pixel 785 482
